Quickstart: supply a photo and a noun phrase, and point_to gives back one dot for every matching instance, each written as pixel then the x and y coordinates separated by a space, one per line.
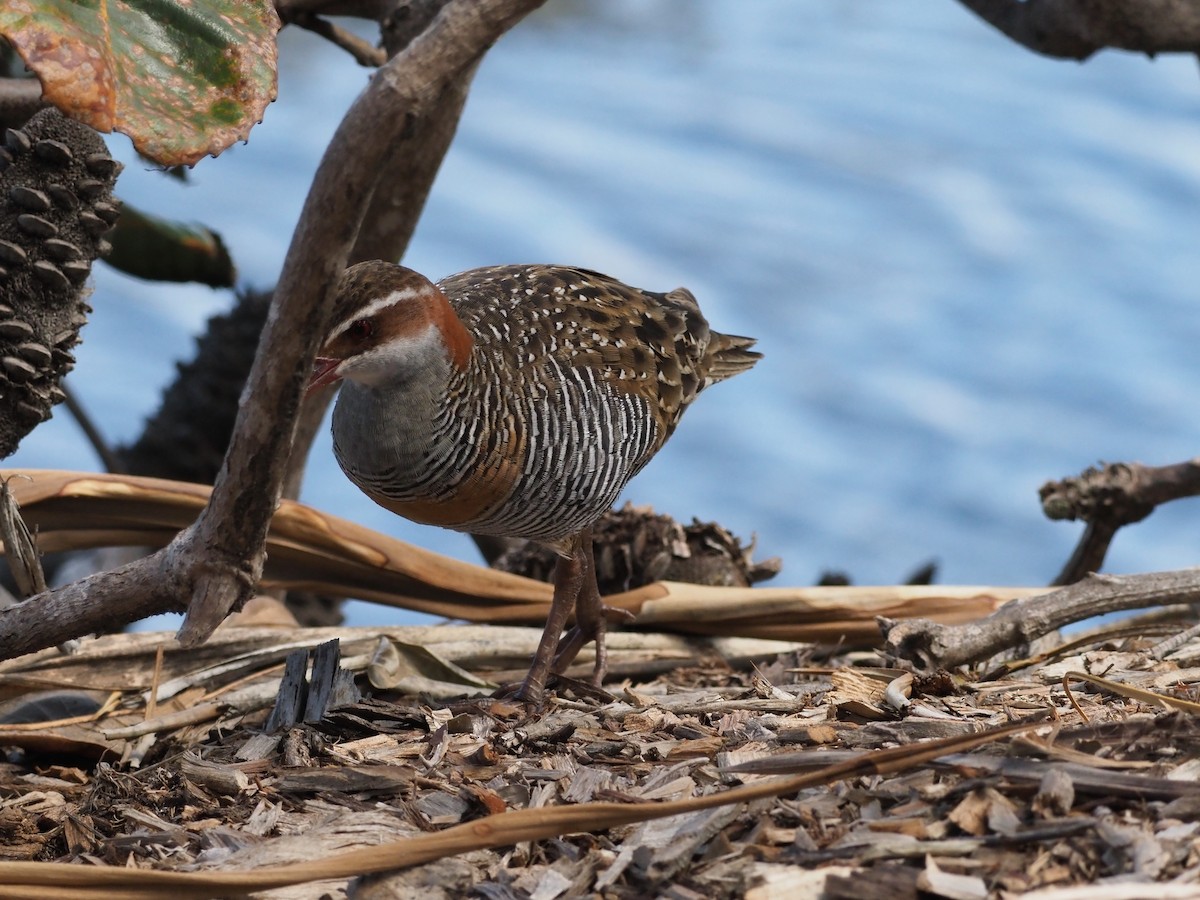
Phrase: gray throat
pixel 384 436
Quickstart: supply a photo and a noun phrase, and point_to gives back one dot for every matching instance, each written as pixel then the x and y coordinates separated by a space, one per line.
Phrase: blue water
pixel 972 269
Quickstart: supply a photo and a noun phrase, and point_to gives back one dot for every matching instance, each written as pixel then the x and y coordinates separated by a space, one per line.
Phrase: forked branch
pixel 1110 498
pixel 217 561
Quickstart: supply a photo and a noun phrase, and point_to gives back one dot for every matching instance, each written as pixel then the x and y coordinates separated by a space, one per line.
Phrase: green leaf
pixel 183 80
pixel 159 250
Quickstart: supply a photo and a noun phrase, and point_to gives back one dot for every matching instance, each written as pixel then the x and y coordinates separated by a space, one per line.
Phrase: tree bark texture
pixel 218 560
pixel 1110 498
pixel 929 645
pixel 1075 29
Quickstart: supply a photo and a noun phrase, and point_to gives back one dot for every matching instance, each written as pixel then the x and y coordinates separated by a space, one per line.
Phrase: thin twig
pixel 20 551
pixel 1165 648
pixel 364 54
pixel 112 462
pixel 1088 555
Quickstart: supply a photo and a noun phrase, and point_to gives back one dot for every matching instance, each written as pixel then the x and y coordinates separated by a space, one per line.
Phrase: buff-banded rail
pixel 515 401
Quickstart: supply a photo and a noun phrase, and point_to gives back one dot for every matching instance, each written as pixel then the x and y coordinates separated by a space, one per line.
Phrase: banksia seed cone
pixel 56 180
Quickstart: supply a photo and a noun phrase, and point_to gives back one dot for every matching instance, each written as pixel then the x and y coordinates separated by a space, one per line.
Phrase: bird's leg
pixel 568 578
pixel 591 618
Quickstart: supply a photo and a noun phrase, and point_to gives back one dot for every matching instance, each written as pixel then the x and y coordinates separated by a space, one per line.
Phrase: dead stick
pixel 1109 498
pixel 364 54
pixel 218 561
pixel 929 645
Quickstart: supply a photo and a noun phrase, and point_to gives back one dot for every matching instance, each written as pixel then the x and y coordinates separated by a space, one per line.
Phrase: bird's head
pixel 387 321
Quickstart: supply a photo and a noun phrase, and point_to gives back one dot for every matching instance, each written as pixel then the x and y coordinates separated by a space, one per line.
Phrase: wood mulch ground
pixel 1101 801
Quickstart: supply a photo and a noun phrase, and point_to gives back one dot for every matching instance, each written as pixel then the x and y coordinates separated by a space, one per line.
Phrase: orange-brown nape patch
pixel 458 340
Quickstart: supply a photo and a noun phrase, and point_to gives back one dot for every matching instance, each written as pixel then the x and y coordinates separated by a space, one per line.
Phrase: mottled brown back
pixel 657 346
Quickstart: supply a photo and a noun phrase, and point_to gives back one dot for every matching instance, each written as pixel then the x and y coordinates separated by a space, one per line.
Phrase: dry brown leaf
pixel 312 550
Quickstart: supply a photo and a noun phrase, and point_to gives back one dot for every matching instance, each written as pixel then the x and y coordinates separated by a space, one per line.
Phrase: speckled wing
pixel 656 347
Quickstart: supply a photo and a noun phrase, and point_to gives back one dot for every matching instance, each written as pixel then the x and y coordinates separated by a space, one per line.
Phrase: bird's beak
pixel 324 372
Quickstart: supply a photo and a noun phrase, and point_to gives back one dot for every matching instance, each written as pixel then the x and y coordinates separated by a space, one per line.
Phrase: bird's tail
pixel 730 356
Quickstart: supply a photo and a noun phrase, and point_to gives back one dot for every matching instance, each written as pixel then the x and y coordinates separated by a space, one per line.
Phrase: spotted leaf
pixel 183 80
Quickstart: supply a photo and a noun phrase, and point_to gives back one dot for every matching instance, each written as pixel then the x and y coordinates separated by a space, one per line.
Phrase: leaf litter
pixel 851 778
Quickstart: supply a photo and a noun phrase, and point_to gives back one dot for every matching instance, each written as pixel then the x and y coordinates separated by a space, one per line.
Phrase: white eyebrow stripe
pixel 375 306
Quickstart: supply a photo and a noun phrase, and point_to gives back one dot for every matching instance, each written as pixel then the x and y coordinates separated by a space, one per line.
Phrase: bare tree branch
pixel 218 560
pixel 411 165
pixel 1088 555
pixel 1075 29
pixel 405 178
pixel 94 604
pixel 929 645
pixel 108 457
pixel 1108 499
pixel 232 529
pixel 364 54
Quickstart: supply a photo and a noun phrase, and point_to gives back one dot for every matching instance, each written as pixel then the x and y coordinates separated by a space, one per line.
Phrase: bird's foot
pixel 592 617
pixel 575 589
pixel 547 671
pixel 532 689
pixel 557 684
pixel 589 628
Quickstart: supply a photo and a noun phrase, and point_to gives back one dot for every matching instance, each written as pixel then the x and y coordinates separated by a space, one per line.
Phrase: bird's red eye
pixel 361 330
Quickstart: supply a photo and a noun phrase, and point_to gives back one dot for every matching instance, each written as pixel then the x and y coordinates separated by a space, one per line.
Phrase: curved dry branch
pixel 402 184
pixel 225 547
pixel 929 645
pixel 363 53
pixel 218 561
